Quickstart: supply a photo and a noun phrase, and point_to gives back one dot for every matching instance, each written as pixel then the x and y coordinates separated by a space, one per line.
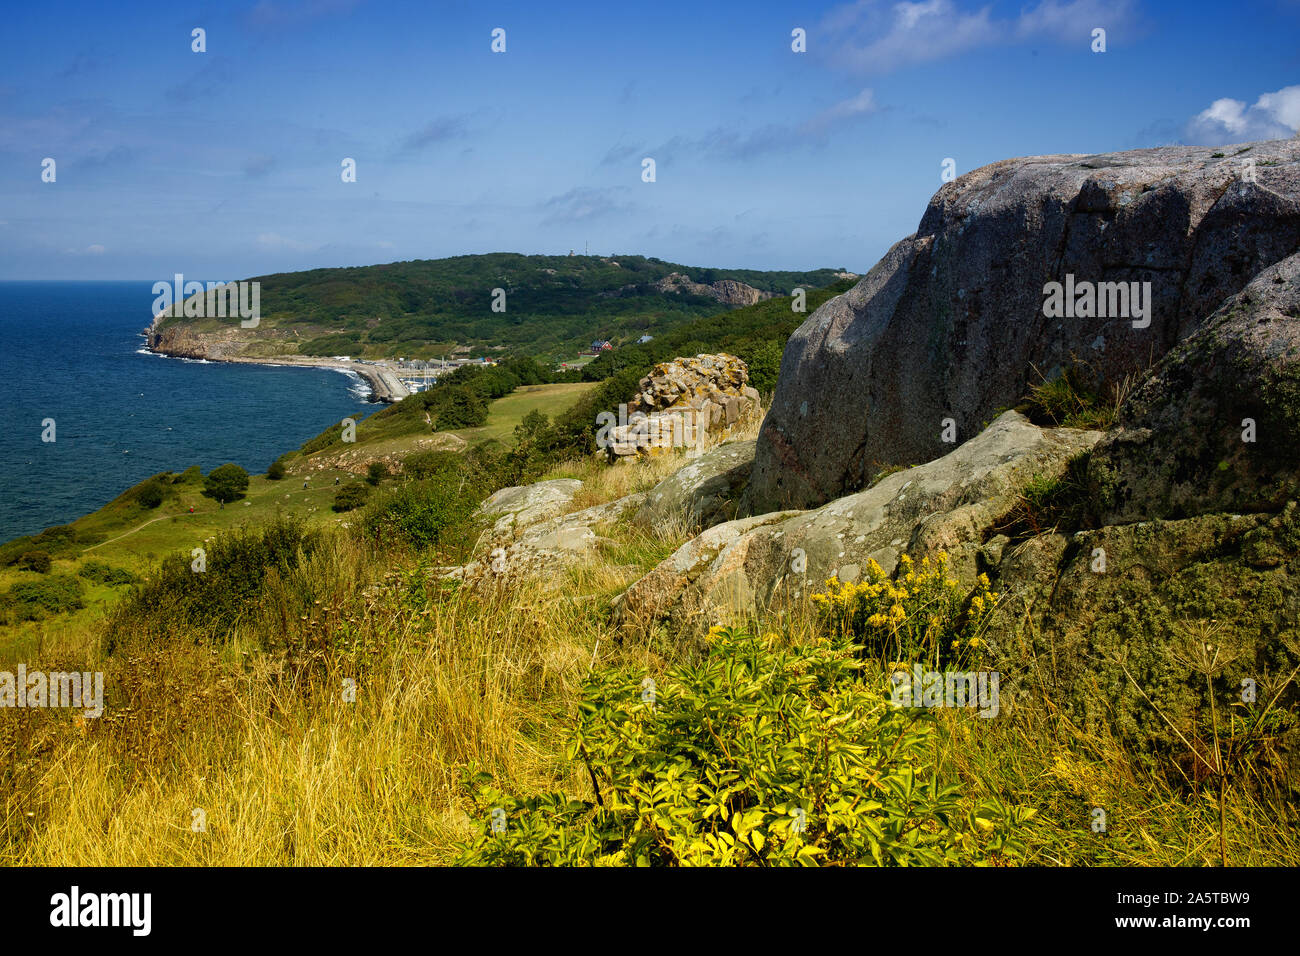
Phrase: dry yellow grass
pixel 260 745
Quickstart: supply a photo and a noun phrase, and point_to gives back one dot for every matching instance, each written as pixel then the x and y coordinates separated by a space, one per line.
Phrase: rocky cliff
pixel 957 320
pixel 726 291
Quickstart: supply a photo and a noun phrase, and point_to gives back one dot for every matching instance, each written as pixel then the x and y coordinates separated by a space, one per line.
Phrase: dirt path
pixel 183 514
pixel 139 526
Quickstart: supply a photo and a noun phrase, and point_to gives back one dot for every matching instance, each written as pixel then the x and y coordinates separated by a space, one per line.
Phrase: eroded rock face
pixel 727 291
pixel 950 323
pixel 703 492
pixel 1181 447
pixel 950 504
pixel 685 403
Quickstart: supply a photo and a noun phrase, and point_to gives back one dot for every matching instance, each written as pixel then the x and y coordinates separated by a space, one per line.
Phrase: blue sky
pixel 226 163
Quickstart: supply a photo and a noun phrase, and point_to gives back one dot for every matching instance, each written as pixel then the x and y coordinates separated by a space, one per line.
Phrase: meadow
pixel 364 710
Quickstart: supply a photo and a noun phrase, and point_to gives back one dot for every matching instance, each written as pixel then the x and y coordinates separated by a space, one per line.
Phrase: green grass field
pixel 135 539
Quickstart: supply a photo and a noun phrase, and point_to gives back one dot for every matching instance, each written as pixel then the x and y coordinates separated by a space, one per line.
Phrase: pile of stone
pixel 687 403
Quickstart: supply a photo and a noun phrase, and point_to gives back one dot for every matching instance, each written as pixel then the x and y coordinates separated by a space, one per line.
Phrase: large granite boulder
pixel 703 492
pixel 951 323
pixel 950 504
pixel 519 506
pixel 1216 426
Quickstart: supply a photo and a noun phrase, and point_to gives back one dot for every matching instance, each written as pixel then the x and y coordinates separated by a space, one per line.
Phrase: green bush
pixel 376 472
pixel 105 574
pixel 760 755
pixel 208 603
pixel 430 464
pixel 421 514
pixel 276 471
pixel 38 561
pixel 150 494
pixel 55 541
pixel 190 476
pixel 350 496
pixel 33 600
pixel 226 483
pixel 458 407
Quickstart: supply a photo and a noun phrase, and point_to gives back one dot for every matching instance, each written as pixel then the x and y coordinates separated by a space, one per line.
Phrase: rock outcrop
pixel 951 323
pixel 1124 642
pixel 532 535
pixel 704 492
pixel 952 504
pixel 726 291
pixel 685 403
pixel 1216 426
pixel 522 505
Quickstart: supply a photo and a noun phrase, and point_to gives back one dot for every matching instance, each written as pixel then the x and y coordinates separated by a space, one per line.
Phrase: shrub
pixel 420 513
pixel 923 614
pixel 190 476
pixel 226 483
pixel 350 496
pixel 208 603
pixel 760 755
pixel 428 464
pixel 276 471
pixel 38 561
pixel 56 594
pixel 105 574
pixel 376 472
pixel 458 406
pixel 150 494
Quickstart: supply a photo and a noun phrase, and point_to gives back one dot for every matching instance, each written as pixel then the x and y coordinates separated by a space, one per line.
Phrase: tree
pixel 226 483
pixel 276 471
pixel 460 407
pixel 350 496
pixel 150 494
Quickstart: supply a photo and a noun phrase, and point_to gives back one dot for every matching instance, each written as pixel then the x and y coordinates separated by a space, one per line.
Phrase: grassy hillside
pixel 455 703
pixel 94 559
pixel 554 305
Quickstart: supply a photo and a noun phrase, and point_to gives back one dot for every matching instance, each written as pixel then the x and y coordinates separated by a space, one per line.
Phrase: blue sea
pixel 73 352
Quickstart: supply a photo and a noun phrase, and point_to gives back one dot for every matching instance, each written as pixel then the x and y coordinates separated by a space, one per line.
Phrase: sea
pixel 74 352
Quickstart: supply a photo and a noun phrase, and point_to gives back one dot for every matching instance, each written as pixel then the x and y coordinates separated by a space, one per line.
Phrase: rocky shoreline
pixel 384 383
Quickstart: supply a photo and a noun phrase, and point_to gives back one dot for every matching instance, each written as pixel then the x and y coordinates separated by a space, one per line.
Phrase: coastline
pixel 384 383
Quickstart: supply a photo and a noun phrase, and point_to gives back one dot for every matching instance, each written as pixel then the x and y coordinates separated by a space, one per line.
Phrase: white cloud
pixel 876 36
pixel 1074 20
pixel 273 240
pixel 95 249
pixel 1274 116
pixel 862 104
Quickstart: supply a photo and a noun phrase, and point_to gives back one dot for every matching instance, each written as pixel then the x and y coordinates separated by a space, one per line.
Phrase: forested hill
pixel 553 305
